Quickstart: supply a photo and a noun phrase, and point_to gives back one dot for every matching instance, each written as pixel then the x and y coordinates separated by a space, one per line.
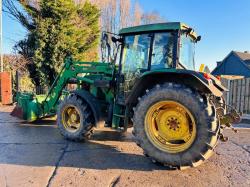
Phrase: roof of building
pixel 156 27
pixel 240 67
pixel 247 62
pixel 243 55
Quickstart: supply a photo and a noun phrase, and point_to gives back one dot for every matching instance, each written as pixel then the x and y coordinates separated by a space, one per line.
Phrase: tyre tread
pixel 210 116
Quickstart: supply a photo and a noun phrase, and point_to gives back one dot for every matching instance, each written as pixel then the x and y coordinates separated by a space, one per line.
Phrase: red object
pixel 206 76
pixel 5 88
pixel 218 77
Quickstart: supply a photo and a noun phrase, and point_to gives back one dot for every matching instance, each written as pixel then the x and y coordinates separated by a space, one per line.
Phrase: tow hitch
pixel 233 117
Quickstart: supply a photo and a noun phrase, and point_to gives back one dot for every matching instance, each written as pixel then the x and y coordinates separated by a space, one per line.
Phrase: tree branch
pixel 10 8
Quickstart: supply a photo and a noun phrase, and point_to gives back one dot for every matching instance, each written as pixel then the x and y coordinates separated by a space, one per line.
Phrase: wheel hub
pixel 71 118
pixel 173 123
pixel 170 126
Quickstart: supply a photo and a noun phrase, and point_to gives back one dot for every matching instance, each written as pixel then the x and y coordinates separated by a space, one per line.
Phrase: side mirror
pixel 198 39
pixel 114 39
pixel 104 37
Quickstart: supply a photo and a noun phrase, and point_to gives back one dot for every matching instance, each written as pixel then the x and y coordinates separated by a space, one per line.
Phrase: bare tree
pixel 108 15
pixel 117 14
pixel 137 14
pixel 152 17
pixel 15 62
pixel 9 6
pixel 125 13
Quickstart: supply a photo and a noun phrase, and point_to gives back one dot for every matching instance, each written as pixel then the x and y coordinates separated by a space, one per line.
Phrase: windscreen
pixel 187 46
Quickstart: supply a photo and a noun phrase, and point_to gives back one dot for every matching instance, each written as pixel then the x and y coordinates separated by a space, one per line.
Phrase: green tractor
pixel 177 113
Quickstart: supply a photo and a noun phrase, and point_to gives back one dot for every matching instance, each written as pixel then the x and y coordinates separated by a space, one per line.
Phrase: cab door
pixel 134 61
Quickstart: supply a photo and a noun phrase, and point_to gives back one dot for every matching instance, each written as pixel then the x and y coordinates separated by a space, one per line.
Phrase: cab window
pixel 135 53
pixel 162 56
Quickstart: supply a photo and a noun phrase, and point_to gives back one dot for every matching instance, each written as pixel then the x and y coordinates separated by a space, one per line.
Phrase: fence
pixel 239 94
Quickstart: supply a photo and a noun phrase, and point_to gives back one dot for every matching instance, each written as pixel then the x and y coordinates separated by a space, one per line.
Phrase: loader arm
pixel 72 70
pixel 33 107
pixel 57 87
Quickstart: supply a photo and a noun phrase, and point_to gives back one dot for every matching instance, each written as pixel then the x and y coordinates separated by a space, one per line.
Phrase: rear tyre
pixel 175 126
pixel 74 118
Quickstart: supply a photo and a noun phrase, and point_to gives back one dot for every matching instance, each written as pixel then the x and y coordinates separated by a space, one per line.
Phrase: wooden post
pixel 17 81
pixel 234 93
pixel 228 93
pixel 247 96
pixel 241 94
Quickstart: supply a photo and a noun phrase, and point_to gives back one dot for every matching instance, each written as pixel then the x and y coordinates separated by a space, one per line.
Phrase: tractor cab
pixel 154 47
pixel 157 46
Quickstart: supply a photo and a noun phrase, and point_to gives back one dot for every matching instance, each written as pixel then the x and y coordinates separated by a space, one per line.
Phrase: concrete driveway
pixel 37 155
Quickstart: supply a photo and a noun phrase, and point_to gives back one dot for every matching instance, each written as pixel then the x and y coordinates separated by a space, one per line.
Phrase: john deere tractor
pixel 177 113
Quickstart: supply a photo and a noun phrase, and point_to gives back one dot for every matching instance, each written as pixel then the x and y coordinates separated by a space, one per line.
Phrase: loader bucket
pixel 28 106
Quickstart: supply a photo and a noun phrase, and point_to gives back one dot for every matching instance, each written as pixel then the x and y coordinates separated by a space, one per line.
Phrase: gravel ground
pixel 37 155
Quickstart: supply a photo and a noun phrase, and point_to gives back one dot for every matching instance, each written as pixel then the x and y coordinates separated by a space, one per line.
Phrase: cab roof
pixel 156 27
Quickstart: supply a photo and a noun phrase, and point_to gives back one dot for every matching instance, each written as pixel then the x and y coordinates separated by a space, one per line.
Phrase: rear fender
pixel 191 79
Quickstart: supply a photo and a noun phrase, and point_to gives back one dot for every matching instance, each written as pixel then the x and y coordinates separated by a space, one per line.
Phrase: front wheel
pixel 74 118
pixel 175 126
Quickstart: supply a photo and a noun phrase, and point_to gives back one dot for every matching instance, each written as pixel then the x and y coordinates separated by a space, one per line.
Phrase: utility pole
pixel 1 37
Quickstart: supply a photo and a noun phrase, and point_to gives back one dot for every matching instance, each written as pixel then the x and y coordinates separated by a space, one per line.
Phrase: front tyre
pixel 175 126
pixel 74 118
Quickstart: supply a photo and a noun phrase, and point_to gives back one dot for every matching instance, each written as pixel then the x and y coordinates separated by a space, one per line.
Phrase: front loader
pixel 177 113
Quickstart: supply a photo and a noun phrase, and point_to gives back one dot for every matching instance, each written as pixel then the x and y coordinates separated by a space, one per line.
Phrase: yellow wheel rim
pixel 170 126
pixel 71 118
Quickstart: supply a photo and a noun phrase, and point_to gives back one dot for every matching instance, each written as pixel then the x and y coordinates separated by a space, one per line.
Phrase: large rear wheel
pixel 175 126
